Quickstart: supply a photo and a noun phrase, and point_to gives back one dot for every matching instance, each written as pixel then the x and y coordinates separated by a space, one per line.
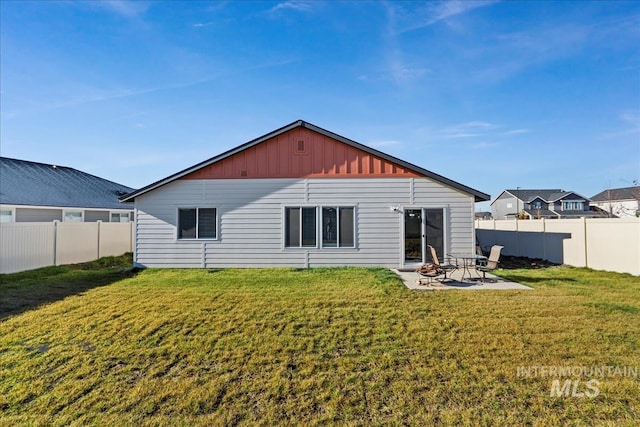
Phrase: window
pixel 570 205
pixel 300 227
pixel 197 223
pixel 537 204
pixel 72 216
pixel 120 217
pixel 6 216
pixel 337 227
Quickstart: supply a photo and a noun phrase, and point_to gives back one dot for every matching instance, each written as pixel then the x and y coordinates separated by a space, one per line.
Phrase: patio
pixel 454 281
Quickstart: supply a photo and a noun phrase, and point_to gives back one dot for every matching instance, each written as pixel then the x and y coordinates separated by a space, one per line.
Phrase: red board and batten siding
pixel 301 153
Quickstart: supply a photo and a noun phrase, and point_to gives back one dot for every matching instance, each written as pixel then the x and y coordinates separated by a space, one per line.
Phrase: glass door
pixel 434 232
pixel 423 227
pixel 413 242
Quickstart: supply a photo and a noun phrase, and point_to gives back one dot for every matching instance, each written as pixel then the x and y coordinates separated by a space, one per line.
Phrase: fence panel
pixel 115 239
pixel 76 242
pixel 611 244
pixel 623 248
pixel 25 246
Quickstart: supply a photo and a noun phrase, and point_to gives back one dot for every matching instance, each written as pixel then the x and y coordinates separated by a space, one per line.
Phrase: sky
pixel 492 94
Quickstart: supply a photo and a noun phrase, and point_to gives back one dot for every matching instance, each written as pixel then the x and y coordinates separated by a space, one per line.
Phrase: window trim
pixel 66 211
pixel 120 213
pixel 572 205
pixel 197 239
pixel 284 225
pixel 318 226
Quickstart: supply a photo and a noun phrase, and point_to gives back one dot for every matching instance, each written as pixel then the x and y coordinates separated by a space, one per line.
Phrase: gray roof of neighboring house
pixel 540 212
pixel 478 195
pixel 548 195
pixel 626 193
pixel 30 183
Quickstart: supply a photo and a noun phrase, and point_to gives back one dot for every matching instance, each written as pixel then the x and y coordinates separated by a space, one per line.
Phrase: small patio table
pixel 467 260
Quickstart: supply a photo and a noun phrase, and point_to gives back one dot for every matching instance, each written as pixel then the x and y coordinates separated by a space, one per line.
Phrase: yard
pixel 97 344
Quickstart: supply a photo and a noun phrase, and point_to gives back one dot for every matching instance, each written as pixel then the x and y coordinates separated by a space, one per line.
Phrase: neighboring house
pixel 38 192
pixel 301 196
pixel 537 204
pixel 483 215
pixel 619 202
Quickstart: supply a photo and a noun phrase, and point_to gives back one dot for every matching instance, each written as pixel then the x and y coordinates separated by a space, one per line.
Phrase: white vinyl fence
pixel 29 245
pixel 611 244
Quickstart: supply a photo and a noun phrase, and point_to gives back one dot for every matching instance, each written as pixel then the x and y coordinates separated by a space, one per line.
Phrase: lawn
pixel 98 344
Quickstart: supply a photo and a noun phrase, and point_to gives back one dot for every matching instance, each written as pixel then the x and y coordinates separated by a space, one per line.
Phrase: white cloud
pixel 299 6
pixel 631 122
pixel 483 145
pixel 467 130
pixel 477 128
pixel 433 12
pixel 128 9
pixel 202 24
pixel 516 132
pixel 384 143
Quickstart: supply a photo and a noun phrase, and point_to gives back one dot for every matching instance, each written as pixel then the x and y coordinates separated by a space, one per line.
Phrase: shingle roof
pixel 29 183
pixel 626 193
pixel 530 195
pixel 548 195
pixel 541 213
pixel 478 195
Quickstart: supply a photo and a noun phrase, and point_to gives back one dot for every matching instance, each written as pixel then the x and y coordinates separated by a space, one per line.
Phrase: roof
pixel 626 193
pixel 540 213
pixel 38 184
pixel 547 195
pixel 478 196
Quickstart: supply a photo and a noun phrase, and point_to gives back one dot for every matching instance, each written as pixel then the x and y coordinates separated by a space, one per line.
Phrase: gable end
pixel 301 153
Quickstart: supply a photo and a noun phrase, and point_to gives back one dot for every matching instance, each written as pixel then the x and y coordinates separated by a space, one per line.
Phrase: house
pixel 618 202
pixel 301 196
pixel 38 192
pixel 483 215
pixel 537 204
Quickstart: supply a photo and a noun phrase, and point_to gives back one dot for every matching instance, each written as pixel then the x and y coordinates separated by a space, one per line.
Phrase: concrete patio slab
pixel 411 278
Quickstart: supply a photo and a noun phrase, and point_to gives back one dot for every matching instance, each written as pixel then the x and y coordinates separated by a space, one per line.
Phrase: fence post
pixel 586 242
pixel 99 229
pixel 544 239
pixel 55 242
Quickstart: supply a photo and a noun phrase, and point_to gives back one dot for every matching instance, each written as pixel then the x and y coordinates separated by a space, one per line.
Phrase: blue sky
pixel 494 95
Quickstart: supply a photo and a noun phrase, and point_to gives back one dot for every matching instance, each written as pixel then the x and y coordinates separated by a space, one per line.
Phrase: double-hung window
pixel 300 227
pixel 197 223
pixel 338 229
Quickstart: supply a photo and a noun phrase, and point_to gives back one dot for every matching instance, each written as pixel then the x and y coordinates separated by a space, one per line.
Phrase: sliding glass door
pixel 423 227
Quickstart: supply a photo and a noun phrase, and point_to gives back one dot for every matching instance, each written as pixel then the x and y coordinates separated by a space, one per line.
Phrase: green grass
pixel 321 346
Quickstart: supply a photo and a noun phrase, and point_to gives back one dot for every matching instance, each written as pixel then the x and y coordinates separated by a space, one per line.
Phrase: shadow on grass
pixel 20 292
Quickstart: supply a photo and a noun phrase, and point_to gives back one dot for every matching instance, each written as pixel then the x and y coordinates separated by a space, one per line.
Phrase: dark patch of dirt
pixel 519 262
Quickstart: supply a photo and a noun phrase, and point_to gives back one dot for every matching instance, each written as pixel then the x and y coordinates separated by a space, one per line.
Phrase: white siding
pixel 250 217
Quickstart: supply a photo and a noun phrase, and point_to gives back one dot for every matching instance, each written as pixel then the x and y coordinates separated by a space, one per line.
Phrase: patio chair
pixel 447 267
pixel 491 263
